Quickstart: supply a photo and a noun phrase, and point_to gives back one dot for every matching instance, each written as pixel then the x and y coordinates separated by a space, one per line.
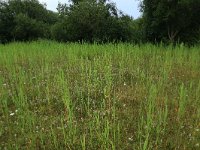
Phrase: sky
pixel 129 7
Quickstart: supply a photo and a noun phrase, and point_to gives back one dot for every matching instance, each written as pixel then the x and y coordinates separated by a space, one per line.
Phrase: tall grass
pixel 82 96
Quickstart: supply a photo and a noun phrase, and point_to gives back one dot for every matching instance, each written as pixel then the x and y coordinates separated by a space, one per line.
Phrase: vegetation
pixel 118 92
pixel 169 21
pixel 87 20
pixel 172 20
pixel 92 20
pixel 113 96
pixel 23 20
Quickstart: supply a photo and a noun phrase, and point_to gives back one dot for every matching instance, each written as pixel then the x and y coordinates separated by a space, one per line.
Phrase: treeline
pixel 100 21
pixel 172 20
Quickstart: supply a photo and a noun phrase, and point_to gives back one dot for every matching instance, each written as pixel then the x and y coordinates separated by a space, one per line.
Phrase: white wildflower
pixel 12 114
pixel 130 139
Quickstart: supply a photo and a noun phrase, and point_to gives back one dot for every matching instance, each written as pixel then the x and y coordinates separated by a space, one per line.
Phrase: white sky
pixel 129 7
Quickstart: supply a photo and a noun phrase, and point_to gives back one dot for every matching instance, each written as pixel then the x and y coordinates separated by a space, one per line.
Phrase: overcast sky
pixel 129 7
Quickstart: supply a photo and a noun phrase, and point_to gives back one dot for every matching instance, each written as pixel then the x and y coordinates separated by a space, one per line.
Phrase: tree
pixel 27 28
pixel 6 22
pixel 91 20
pixel 171 19
pixel 24 20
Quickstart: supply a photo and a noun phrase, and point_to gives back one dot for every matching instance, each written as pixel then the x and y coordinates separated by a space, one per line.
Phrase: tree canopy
pixel 24 20
pixel 91 20
pixel 169 21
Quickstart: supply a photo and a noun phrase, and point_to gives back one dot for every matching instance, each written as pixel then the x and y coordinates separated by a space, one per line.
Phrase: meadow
pixel 99 97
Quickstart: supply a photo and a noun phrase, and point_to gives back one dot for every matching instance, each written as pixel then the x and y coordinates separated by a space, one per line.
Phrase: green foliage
pixel 90 20
pixel 168 21
pixel 171 20
pixel 6 22
pixel 60 32
pixel 85 20
pixel 27 28
pixel 137 28
pixel 24 20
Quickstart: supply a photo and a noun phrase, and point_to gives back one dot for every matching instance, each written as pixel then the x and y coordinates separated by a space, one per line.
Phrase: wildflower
pixel 197 145
pixel 130 139
pixel 12 114
pixel 124 83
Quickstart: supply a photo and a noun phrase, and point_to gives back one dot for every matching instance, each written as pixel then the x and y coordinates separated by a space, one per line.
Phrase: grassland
pixel 89 97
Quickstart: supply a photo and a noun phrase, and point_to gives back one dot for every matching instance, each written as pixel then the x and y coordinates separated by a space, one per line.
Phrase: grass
pixel 73 96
